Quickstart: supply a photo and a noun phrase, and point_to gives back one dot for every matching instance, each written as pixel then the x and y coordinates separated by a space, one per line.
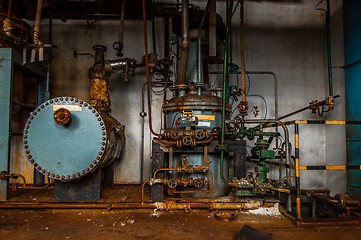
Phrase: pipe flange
pixel 53 147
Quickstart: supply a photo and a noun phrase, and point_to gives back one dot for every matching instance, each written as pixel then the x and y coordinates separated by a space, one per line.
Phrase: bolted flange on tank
pixel 66 138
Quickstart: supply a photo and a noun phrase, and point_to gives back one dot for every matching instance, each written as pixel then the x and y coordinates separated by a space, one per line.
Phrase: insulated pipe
pixel 147 71
pixel 184 43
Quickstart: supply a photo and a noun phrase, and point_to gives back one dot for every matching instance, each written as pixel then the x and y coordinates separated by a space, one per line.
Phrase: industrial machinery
pixel 57 132
pixel 212 143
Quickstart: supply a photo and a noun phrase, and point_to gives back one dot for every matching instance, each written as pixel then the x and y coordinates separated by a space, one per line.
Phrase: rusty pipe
pixel 109 206
pixel 147 70
pixel 9 8
pixel 243 64
pixel 209 190
pixel 175 143
pixel 37 42
pixel 121 30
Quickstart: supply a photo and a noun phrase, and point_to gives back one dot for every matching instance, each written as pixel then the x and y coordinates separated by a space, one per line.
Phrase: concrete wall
pixel 289 43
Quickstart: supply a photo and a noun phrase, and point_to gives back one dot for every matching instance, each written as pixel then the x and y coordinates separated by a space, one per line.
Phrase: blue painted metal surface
pixel 6 70
pixel 352 38
pixel 65 152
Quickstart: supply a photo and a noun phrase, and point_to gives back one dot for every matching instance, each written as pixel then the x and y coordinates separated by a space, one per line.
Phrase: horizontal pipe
pixel 109 206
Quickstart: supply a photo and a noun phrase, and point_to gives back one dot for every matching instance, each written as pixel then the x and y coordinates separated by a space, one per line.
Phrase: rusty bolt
pixel 61 99
pixel 35 164
pixel 62 116
pixel 32 161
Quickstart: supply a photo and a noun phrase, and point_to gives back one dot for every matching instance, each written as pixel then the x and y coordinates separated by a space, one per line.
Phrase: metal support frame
pixel 298 167
pixel 6 74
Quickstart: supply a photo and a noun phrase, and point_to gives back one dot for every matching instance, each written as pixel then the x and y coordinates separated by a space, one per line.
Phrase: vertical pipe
pixel 225 77
pixel 166 37
pixel 44 91
pixel 243 65
pixel 37 43
pixel 50 53
pixel 153 30
pixel 328 42
pixel 184 43
pixel 147 70
pixel 297 170
pixel 199 44
pixel 121 30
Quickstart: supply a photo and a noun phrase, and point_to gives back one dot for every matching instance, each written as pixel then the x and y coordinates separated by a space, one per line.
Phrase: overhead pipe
pixel 184 43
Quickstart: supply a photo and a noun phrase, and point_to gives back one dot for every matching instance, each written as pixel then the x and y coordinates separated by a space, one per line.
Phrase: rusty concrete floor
pixel 147 224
